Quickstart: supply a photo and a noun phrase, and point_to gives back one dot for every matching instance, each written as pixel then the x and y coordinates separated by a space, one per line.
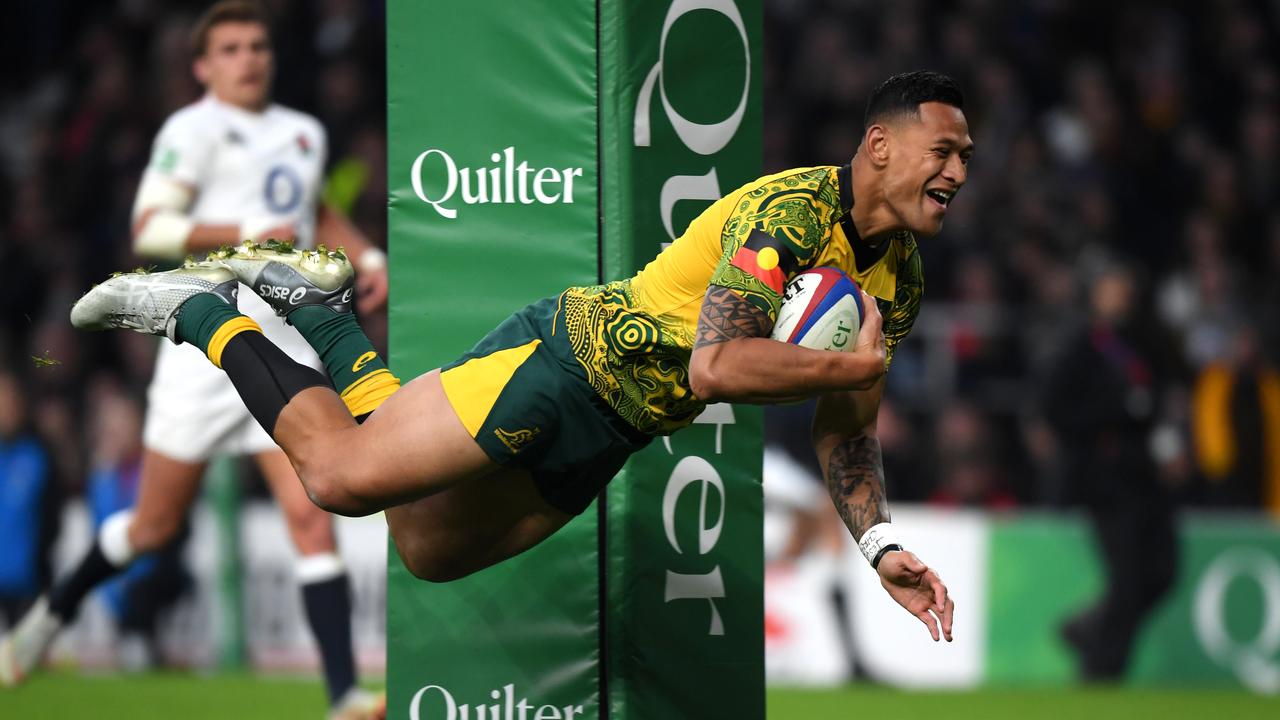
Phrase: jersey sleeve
pixel 182 151
pixel 906 301
pixel 322 139
pixel 778 229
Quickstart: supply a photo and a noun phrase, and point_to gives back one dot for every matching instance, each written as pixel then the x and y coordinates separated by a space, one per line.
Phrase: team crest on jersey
pixel 304 145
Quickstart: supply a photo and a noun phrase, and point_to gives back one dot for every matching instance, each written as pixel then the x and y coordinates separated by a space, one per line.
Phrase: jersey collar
pixel 239 113
pixel 864 255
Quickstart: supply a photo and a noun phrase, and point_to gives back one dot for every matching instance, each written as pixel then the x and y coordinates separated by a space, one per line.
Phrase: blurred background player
pixel 229 167
pixel 137 597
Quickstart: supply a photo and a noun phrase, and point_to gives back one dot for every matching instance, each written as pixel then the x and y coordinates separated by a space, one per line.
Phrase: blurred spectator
pixel 1101 401
pixel 1235 414
pixel 969 469
pixel 1145 129
pixel 28 505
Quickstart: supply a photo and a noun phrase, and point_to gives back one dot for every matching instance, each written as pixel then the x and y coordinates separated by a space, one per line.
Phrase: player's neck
pixel 250 109
pixel 872 216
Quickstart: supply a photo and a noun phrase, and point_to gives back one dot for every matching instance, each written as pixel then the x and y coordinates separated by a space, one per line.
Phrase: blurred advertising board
pixel 1016 578
pixel 275 636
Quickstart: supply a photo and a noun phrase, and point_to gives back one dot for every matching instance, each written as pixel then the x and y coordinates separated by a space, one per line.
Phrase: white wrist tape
pixel 164 237
pixel 876 539
pixel 372 260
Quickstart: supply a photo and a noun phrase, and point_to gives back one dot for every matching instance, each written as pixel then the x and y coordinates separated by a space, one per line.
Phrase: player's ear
pixel 200 68
pixel 876 141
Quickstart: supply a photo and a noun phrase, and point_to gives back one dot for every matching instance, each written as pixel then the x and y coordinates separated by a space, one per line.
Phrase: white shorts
pixel 194 412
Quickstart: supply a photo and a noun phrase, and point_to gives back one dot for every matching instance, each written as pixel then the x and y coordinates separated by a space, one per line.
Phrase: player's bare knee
pixel 327 493
pixel 333 486
pixel 320 475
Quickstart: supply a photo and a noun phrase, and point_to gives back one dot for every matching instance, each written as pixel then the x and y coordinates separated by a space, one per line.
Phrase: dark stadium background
pixel 1143 133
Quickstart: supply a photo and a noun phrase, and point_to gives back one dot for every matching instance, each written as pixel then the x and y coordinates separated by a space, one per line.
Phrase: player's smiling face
pixel 928 163
pixel 237 64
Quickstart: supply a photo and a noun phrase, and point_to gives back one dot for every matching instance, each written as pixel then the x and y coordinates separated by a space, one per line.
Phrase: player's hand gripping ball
pixel 821 309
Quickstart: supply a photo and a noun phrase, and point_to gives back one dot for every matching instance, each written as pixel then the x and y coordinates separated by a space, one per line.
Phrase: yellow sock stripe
pixel 223 335
pixel 366 394
pixel 361 380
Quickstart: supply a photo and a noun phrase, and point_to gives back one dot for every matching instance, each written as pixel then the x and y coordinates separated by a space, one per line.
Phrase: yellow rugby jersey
pixel 633 337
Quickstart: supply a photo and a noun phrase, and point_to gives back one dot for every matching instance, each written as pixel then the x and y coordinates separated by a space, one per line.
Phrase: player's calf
pixel 326 449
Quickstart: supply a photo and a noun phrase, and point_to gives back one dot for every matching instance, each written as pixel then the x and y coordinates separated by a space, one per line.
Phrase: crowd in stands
pixel 1137 135
pixel 1144 135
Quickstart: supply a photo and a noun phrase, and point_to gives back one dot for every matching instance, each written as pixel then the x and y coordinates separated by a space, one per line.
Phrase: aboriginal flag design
pixel 767 258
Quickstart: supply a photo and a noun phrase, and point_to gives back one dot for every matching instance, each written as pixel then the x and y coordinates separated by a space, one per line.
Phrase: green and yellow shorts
pixel 524 397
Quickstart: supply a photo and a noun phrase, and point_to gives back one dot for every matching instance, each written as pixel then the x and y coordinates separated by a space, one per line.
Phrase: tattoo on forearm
pixel 855 479
pixel 726 316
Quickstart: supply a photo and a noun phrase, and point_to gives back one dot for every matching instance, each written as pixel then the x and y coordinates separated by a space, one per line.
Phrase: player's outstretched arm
pixel 163 230
pixel 845 440
pixel 734 360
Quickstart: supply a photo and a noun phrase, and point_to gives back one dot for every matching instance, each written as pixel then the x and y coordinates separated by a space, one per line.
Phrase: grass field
pixel 55 696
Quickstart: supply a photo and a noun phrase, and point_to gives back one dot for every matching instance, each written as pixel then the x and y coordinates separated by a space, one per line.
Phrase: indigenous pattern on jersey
pixel 634 336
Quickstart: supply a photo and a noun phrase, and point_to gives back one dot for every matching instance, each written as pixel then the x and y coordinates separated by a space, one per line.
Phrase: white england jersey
pixel 241 165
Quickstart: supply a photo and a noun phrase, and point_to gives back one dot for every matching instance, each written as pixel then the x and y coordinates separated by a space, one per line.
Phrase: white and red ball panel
pixel 821 309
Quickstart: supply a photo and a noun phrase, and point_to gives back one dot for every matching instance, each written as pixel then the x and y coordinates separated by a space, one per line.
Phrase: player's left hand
pixel 918 589
pixel 371 290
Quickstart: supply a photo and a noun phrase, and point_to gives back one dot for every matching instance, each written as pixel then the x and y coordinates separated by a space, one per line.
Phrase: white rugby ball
pixel 821 309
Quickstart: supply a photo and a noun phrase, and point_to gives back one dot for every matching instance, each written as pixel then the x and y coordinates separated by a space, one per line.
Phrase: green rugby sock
pixel 208 322
pixel 359 374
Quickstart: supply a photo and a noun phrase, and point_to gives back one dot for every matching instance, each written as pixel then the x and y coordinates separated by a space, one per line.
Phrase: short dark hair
pixel 904 93
pixel 245 11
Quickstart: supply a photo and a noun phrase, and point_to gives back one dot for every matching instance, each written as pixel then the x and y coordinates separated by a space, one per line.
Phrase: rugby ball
pixel 821 309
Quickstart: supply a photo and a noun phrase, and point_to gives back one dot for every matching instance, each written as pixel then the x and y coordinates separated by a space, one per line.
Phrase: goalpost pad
pixel 533 146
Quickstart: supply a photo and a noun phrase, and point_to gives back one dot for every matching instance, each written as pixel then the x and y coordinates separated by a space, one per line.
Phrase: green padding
pixel 466 81
pixel 530 623
pixel 686 635
pixel 685 627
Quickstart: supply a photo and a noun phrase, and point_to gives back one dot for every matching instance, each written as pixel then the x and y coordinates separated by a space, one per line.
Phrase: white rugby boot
pixel 148 302
pixel 24 647
pixel 288 279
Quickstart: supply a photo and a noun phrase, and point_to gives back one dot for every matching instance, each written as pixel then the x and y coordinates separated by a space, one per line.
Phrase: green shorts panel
pixel 539 412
